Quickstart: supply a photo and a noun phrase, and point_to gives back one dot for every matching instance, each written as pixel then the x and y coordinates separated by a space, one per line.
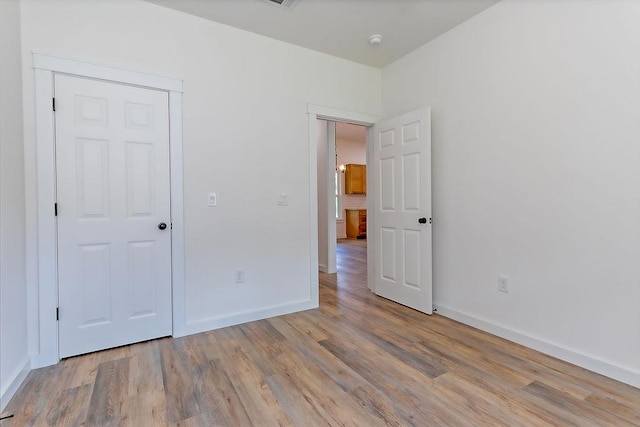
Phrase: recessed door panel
pixel 138 116
pixel 388 254
pixel 387 184
pixel 94 283
pixel 140 179
pixel 91 111
pixel 411 132
pixel 141 278
pixel 92 164
pixel 411 182
pixel 411 254
pixel 387 138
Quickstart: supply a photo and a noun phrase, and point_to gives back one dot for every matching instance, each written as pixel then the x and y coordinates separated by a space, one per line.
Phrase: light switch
pixel 282 199
pixel 213 199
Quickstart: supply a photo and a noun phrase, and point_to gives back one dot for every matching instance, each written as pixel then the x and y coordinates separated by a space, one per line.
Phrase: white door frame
pixel 316 112
pixel 330 212
pixel 44 67
pixel 332 244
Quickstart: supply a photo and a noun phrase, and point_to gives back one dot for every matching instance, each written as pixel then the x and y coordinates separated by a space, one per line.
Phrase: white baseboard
pixel 14 382
pixel 611 370
pixel 209 324
pixel 322 268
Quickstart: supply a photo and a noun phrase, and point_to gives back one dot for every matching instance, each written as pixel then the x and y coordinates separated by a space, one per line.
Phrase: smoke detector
pixel 375 39
pixel 283 4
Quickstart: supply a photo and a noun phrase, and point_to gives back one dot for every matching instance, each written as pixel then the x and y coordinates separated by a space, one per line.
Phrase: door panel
pixel 402 254
pixel 412 258
pixel 112 167
pixel 142 294
pixel 411 182
pixel 387 185
pixel 140 182
pixel 94 284
pixel 388 254
pixel 92 164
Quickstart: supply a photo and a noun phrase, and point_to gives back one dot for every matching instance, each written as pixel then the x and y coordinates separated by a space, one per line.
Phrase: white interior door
pixel 113 195
pixel 402 209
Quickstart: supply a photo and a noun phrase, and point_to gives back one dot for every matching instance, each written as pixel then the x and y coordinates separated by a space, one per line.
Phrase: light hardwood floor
pixel 357 360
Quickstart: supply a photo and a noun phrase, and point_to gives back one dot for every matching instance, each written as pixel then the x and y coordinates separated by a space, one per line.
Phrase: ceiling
pixel 341 27
pixel 350 132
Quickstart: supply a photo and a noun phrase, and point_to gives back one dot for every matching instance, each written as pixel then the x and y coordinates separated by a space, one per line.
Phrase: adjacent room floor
pixel 357 360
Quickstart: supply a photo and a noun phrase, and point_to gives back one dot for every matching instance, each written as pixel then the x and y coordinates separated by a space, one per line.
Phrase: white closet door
pixel 114 225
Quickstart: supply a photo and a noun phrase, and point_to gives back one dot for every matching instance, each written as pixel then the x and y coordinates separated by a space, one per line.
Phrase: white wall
pixel 536 173
pixel 245 137
pixel 13 292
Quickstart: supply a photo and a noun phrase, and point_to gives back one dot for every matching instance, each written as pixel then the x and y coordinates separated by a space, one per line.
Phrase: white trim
pixel 204 325
pixel 338 115
pixel 47 248
pixel 333 114
pixel 340 196
pixel 332 244
pixel 177 214
pixel 14 382
pixel 314 290
pixel 322 268
pixel 609 369
pixel 371 218
pixel 85 69
pixel 45 66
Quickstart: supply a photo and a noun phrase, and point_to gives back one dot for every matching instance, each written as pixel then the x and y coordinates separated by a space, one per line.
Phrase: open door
pixel 402 209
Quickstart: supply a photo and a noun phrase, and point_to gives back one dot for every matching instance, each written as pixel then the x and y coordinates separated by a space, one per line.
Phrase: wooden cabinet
pixel 356 223
pixel 355 179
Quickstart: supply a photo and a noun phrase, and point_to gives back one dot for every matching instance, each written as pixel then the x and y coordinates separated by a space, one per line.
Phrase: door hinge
pixel 430 221
pixel 55 209
pixel 57 313
pixel 53 103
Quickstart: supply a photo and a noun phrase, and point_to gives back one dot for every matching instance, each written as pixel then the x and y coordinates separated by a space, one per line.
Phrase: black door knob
pixel 422 220
pixel 162 226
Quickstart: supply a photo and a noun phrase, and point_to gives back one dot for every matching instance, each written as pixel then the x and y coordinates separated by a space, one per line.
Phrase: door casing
pixel 46 328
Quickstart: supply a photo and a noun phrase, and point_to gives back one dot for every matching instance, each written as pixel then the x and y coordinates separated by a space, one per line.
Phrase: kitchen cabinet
pixel 355 179
pixel 356 223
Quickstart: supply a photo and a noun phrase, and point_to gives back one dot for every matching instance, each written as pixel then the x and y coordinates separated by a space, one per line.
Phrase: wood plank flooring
pixel 357 360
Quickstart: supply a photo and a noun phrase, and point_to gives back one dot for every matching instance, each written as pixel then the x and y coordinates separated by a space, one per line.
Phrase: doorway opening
pixel 399 230
pixel 342 193
pixel 319 156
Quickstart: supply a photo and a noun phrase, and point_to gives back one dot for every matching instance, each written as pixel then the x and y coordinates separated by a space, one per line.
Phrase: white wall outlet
pixel 282 199
pixel 239 275
pixel 503 283
pixel 213 199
